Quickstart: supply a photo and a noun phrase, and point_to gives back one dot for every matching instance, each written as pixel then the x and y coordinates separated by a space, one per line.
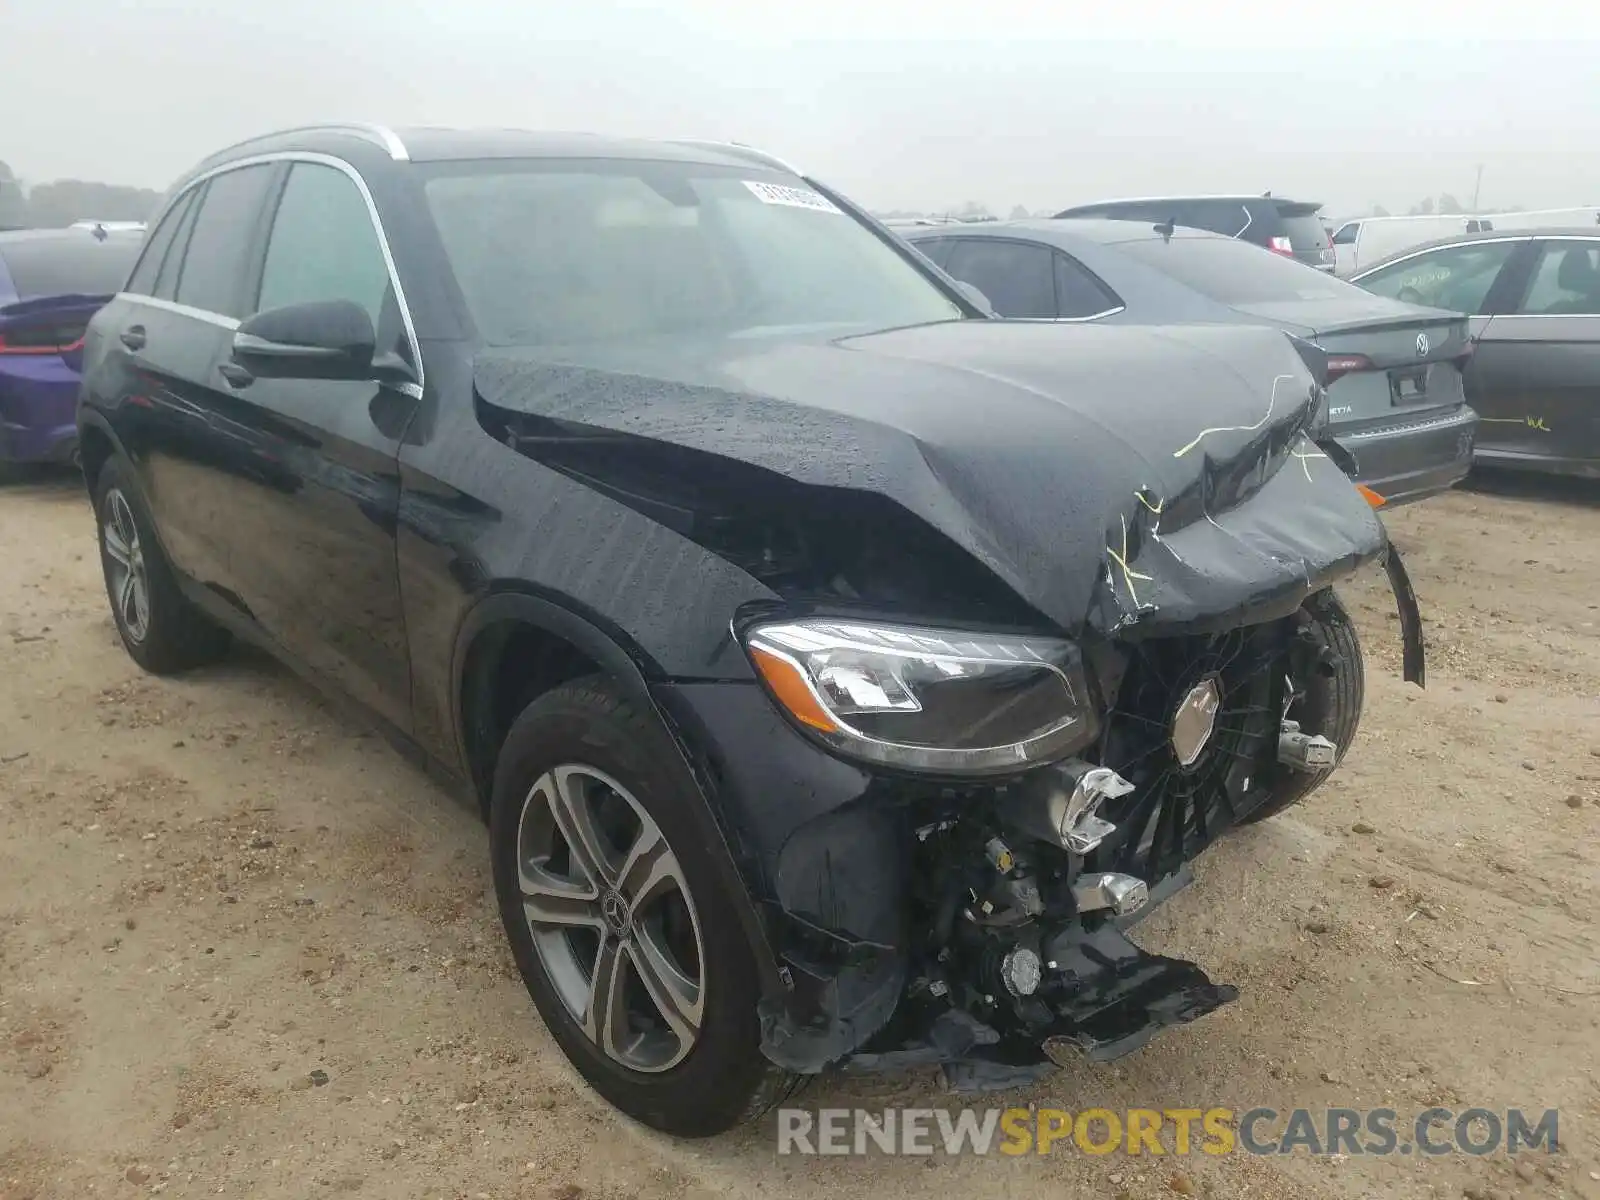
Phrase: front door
pixel 314 472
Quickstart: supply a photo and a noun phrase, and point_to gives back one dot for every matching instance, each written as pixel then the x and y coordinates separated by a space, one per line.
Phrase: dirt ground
pixel 246 950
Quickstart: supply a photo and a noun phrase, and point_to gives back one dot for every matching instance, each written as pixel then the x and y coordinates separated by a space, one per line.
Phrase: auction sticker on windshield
pixel 793 197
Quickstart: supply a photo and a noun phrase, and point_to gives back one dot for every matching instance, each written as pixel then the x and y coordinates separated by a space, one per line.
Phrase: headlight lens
pixel 927 699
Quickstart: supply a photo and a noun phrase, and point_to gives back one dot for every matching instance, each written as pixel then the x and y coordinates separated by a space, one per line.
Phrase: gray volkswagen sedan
pixel 1394 369
pixel 1533 304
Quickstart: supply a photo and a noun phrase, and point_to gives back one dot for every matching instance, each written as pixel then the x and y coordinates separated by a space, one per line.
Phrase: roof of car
pixel 1061 231
pixel 436 144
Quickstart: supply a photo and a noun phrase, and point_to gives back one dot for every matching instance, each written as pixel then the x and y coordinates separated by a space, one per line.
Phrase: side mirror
pixel 977 297
pixel 325 339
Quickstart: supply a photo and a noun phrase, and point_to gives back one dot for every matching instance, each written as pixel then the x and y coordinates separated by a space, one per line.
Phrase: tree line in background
pixel 58 204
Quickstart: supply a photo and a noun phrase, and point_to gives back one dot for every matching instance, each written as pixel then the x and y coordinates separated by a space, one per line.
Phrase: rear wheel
pixel 161 629
pixel 617 918
pixel 1327 701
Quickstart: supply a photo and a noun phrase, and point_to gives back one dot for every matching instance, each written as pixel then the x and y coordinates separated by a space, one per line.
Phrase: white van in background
pixel 1360 243
pixel 1546 218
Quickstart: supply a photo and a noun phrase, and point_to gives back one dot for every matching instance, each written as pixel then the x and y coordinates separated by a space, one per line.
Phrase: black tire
pixel 724 1080
pixel 176 635
pixel 1331 703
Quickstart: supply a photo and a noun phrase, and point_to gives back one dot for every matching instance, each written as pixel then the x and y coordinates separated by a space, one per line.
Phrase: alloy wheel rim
pixel 612 918
pixel 126 569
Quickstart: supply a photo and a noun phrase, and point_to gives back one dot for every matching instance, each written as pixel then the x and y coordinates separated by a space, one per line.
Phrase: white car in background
pixel 1361 243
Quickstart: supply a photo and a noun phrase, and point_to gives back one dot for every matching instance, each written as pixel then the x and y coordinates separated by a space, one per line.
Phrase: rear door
pixel 1536 376
pixel 152 353
pixel 311 477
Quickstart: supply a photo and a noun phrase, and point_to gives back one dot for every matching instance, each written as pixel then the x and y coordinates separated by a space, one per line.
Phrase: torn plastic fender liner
pixel 1405 598
pixel 1119 996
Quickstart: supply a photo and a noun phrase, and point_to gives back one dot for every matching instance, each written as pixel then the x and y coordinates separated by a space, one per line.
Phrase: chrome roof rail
pixel 379 135
pixel 740 150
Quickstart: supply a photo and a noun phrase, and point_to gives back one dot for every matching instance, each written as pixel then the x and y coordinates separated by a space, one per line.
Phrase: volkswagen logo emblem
pixel 1422 345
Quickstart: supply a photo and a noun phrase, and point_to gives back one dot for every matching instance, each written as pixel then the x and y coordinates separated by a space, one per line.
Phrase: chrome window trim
pixel 1109 312
pixel 1395 262
pixel 182 310
pixel 320 159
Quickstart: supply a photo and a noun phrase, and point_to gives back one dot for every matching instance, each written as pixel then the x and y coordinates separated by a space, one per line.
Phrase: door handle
pixel 133 337
pixel 236 375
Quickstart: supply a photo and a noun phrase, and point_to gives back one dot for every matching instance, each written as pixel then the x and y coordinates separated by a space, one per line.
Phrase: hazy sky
pixel 900 104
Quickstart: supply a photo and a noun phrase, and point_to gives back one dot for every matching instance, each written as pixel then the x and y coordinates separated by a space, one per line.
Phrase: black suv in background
pixel 837 667
pixel 1288 227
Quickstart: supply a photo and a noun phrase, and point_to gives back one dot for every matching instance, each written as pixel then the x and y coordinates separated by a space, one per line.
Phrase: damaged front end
pixel 981 927
pixel 1028 634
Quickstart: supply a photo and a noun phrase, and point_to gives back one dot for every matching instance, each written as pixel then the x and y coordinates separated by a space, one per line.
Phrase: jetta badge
pixel 1422 345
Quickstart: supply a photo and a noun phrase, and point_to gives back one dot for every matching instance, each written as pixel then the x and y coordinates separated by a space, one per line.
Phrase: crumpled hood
pixel 1114 477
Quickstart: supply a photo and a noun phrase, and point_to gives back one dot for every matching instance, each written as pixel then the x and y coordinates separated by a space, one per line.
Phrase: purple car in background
pixel 51 282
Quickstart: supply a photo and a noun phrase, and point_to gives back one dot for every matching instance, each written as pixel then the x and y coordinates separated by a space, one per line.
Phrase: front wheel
pixel 1327 701
pixel 618 921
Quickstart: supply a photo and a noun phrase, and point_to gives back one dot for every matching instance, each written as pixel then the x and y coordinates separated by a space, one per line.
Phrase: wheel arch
pixel 97 444
pixel 563 643
pixel 512 629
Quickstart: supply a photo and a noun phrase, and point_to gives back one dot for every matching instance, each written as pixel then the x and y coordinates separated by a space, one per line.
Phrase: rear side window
pixel 172 264
pixel 1079 293
pixel 1017 277
pixel 1566 281
pixel 73 262
pixel 1234 272
pixel 935 249
pixel 143 279
pixel 323 245
pixel 215 264
pixel 1453 277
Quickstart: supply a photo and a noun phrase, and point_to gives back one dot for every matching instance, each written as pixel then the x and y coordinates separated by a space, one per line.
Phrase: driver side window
pixel 1457 278
pixel 324 246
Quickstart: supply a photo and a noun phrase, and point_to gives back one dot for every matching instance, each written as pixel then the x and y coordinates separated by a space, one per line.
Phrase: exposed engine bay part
pixel 1305 751
pixel 1010 954
pixel 1122 894
pixel 1062 806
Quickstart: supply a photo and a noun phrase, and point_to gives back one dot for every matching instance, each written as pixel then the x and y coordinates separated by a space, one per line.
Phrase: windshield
pixel 561 253
pixel 1234 272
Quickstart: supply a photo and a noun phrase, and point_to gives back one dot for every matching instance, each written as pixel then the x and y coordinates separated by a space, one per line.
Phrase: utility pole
pixel 1476 187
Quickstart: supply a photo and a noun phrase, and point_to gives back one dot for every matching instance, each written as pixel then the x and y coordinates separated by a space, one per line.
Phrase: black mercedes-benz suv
pixel 839 669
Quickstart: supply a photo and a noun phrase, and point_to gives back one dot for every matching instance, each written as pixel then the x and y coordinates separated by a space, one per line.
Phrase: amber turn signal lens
pixel 1371 496
pixel 791 690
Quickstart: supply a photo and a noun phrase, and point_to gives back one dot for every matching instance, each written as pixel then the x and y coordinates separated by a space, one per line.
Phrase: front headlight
pixel 927 699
